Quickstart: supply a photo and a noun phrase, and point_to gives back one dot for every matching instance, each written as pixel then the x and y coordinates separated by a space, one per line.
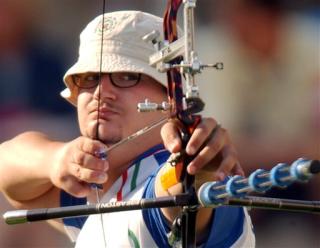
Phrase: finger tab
pixel 96 186
pixel 102 154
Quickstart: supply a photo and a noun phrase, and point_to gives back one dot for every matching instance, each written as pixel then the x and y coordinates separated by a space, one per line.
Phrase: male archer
pixel 37 172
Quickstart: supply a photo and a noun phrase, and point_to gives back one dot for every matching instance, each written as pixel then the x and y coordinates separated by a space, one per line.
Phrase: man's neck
pixel 122 157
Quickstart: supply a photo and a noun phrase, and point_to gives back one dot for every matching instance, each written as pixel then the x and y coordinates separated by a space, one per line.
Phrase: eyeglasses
pixel 118 79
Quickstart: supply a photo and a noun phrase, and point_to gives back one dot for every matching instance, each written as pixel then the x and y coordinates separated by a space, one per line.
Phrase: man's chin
pixel 109 137
pixel 109 142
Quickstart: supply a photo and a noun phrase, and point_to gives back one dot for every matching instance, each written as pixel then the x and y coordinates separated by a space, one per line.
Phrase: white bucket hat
pixel 123 48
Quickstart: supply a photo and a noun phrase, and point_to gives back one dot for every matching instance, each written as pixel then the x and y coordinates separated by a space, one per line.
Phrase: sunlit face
pixel 118 115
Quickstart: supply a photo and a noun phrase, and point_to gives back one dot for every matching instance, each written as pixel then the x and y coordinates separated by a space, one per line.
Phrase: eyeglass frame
pixel 110 77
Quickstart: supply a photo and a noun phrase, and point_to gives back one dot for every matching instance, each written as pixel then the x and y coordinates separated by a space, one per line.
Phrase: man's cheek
pixel 87 126
pixel 91 129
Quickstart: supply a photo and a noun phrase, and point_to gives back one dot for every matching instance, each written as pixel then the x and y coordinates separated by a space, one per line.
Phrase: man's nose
pixel 105 88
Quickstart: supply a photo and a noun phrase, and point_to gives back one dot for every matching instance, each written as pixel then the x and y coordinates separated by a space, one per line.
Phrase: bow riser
pixel 182 106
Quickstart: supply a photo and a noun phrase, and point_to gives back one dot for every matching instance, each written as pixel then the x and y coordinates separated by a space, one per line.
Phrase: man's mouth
pixel 105 112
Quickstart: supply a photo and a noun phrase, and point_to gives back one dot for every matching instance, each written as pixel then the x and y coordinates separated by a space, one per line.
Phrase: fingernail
pixel 95 185
pixel 173 145
pixel 105 166
pixel 221 176
pixel 191 150
pixel 102 177
pixel 240 173
pixel 191 169
pixel 101 153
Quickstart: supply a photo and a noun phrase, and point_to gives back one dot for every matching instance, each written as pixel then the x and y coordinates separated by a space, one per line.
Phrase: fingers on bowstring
pixel 82 174
pixel 171 136
pixel 87 160
pixel 91 146
pixel 77 188
pixel 86 166
pixel 91 154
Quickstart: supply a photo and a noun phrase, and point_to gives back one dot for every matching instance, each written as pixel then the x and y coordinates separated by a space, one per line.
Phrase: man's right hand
pixel 77 164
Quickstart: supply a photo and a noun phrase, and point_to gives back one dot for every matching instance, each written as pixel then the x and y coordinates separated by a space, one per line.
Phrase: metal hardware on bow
pixel 177 57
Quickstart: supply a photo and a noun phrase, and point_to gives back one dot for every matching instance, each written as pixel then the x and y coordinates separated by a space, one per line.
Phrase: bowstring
pixel 96 186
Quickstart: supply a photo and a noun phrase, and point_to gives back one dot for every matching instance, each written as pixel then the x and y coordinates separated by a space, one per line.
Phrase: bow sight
pixel 189 66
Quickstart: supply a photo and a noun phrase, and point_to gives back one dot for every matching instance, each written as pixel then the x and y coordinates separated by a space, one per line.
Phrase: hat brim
pixel 110 63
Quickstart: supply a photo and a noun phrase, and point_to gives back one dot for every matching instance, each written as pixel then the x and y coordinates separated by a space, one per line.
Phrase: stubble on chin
pixel 109 137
